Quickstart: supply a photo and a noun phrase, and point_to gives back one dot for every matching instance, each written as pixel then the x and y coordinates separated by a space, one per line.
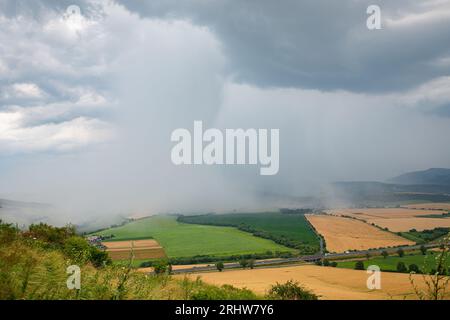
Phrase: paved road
pixel 311 258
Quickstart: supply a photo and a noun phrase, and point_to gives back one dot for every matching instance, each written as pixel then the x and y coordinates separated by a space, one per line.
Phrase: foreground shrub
pixel 225 292
pixel 290 291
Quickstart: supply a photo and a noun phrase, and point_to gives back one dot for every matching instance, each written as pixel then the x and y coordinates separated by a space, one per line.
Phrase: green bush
pixel 401 267
pixel 77 249
pixel 8 232
pixel 219 266
pixel 414 268
pixel 290 291
pixel 359 265
pixel 161 267
pixel 225 292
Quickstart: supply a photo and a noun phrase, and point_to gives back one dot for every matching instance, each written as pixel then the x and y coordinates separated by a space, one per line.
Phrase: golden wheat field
pixel 406 224
pixel 396 219
pixel 342 234
pixel 329 283
pixel 141 249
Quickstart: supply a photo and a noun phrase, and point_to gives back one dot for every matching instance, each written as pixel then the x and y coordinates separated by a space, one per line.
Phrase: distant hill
pixel 433 176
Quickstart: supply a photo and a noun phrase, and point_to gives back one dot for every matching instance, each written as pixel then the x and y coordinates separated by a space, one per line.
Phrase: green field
pixel 425 235
pixel 291 230
pixel 424 262
pixel 187 240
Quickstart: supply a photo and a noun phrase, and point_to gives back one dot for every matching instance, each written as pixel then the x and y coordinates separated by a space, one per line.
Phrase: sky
pixel 91 90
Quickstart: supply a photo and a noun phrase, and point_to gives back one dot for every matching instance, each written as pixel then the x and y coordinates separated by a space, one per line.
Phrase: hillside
pixel 433 176
pixel 33 266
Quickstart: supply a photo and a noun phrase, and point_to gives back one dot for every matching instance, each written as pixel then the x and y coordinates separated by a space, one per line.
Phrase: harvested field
pixel 406 224
pixel 433 206
pixel 382 213
pixel 149 243
pixel 142 249
pixel 343 234
pixel 329 283
pixel 396 219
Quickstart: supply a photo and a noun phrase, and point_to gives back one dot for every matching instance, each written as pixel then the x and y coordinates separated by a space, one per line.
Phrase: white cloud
pixel 64 136
pixel 26 90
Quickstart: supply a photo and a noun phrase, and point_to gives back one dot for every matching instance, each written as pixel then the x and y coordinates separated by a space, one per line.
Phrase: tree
pixel 160 267
pixel 414 268
pixel 367 255
pixel 333 264
pixel 401 267
pixel 243 263
pixel 385 254
pixel 219 266
pixel 359 265
pixel 290 291
pixel 251 263
pixel 423 249
pixel 400 252
pixel 326 263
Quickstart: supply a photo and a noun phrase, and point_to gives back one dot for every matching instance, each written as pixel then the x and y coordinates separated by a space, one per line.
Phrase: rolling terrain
pixel 187 240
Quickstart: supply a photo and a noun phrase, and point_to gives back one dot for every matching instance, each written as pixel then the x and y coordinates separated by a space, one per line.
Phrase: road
pixel 311 258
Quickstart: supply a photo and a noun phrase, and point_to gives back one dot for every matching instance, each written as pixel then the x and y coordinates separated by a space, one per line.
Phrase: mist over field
pixel 88 102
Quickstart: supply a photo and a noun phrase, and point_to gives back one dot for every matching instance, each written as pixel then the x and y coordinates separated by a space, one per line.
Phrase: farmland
pixel 288 229
pixel 141 249
pixel 329 283
pixel 397 219
pixel 424 262
pixel 343 234
pixel 187 240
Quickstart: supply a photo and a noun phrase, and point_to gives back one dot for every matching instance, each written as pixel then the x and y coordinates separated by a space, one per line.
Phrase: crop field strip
pixel 139 249
pixel 397 219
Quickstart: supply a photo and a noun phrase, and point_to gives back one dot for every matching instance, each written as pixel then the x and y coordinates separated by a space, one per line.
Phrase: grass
pixel 289 229
pixel 424 262
pixel 187 240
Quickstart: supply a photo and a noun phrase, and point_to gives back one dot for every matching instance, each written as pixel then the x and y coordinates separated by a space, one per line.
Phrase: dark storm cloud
pixel 319 44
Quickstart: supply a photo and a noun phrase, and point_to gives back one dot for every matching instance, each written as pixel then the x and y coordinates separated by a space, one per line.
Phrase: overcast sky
pixel 88 102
